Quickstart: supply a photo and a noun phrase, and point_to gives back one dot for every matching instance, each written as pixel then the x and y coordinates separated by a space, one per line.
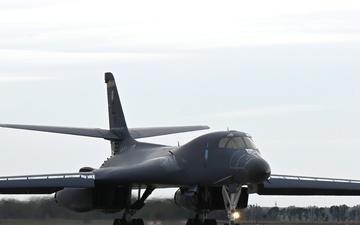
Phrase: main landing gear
pixel 125 222
pixel 201 219
pixel 131 210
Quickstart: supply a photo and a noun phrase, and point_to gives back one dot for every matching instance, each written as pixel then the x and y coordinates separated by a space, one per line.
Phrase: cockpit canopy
pixel 237 142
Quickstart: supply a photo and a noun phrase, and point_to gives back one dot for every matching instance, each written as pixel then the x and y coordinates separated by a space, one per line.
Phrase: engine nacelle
pixel 75 199
pixel 206 199
pixel 105 199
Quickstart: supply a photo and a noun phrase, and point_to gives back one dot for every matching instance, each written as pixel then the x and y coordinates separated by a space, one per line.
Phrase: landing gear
pixel 131 210
pixel 132 222
pixel 198 222
pixel 201 219
pixel 231 195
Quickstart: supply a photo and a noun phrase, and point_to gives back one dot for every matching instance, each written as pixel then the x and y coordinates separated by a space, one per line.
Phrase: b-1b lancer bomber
pixel 216 171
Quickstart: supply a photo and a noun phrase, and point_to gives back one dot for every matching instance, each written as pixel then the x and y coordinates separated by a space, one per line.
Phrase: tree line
pixel 335 213
pixel 165 209
pixel 47 208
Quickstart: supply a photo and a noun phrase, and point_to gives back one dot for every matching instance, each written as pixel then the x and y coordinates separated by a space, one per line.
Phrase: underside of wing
pixel 297 185
pixel 45 184
pixel 108 134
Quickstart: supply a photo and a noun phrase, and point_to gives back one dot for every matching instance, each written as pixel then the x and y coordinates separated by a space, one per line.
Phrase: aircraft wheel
pixel 117 222
pixel 192 222
pixel 120 222
pixel 210 222
pixel 137 222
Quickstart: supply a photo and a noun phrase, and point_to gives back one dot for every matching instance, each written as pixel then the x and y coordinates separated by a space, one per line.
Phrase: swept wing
pixel 301 185
pixel 160 171
pixel 46 183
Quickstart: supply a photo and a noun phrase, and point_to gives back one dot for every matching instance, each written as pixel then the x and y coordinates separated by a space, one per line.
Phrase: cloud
pixel 123 25
pixel 6 79
pixel 268 111
pixel 41 57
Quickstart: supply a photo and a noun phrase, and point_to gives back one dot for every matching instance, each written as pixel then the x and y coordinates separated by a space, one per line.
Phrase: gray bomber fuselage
pixel 193 162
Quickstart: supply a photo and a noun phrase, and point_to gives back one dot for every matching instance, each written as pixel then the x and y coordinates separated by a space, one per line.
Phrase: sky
pixel 286 72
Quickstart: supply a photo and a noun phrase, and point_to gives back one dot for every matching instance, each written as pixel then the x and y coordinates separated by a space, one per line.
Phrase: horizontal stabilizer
pixel 108 134
pixel 158 131
pixel 87 132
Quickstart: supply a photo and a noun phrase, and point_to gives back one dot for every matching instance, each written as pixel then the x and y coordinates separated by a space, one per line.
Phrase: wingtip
pixel 204 127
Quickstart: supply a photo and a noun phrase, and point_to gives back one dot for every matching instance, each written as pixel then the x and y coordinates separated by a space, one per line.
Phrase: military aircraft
pixel 216 171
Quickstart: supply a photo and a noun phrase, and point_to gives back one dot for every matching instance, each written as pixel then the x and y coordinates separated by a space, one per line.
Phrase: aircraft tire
pixel 210 222
pixel 192 222
pixel 117 222
pixel 137 222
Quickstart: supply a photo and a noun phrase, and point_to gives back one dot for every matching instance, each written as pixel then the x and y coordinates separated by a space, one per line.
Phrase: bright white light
pixel 236 215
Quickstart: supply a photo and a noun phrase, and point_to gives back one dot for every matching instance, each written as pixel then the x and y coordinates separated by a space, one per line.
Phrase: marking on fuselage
pixel 206 156
pixel 235 159
pixel 240 158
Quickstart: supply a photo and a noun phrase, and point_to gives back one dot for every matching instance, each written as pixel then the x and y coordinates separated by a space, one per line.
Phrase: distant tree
pixel 292 213
pixel 343 209
pixel 273 213
pixel 322 214
pixel 352 214
pixel 306 214
pixel 356 209
pixel 282 214
pixel 316 214
pixel 297 211
pixel 254 213
pixel 335 212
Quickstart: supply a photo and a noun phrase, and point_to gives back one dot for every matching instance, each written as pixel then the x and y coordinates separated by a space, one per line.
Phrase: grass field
pixel 109 222
pixel 54 222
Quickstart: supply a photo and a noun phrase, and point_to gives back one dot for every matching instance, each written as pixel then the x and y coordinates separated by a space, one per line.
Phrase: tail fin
pixel 116 113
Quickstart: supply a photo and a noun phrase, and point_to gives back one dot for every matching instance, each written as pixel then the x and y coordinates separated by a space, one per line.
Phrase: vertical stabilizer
pixel 116 114
pixel 117 121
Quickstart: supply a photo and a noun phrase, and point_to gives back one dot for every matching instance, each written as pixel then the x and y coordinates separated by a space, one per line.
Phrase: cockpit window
pixel 223 142
pixel 250 143
pixel 236 143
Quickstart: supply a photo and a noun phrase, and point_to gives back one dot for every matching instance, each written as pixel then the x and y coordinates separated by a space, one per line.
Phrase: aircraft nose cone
pixel 257 170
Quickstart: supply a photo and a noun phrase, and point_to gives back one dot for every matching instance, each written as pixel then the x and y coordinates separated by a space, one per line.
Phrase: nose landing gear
pixel 231 195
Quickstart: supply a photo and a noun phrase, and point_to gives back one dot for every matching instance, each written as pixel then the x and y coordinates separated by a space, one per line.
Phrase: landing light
pixel 236 215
